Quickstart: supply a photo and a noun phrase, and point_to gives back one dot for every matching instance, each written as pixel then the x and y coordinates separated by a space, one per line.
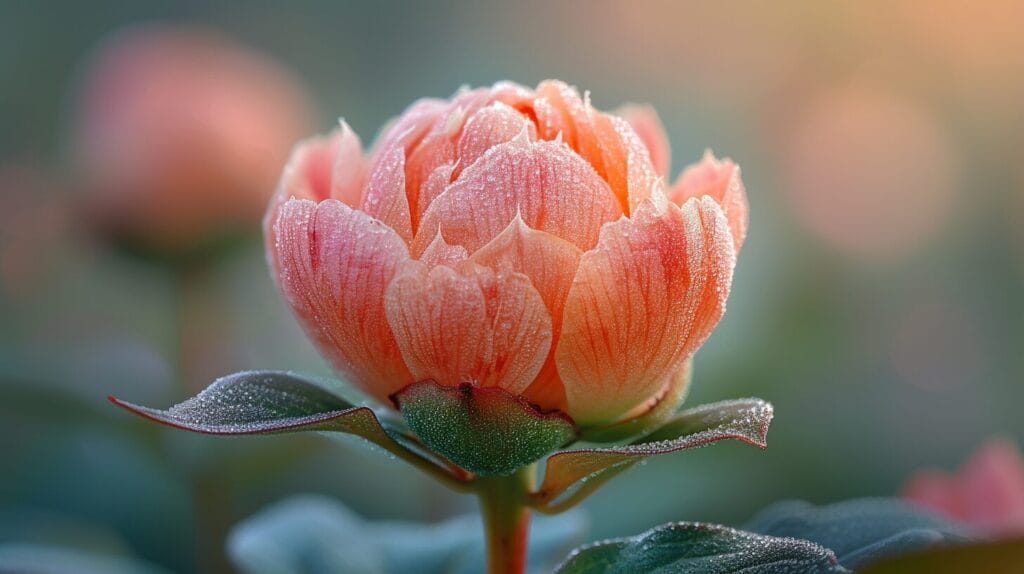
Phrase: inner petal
pixel 545 183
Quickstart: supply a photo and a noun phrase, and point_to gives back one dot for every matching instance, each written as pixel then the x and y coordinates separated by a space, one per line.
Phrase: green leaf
pixel 859 531
pixel 650 420
pixel 267 402
pixel 690 547
pixel 317 534
pixel 571 475
pixel 486 431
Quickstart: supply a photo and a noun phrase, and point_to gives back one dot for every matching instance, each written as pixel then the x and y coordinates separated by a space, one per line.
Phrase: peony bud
pixel 509 238
pixel 180 135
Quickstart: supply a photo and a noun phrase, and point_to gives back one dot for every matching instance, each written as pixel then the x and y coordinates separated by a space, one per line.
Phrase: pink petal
pixel 648 127
pixel 720 180
pixel 551 264
pixel 333 264
pixel 495 124
pixel 628 166
pixel 551 187
pixel 385 197
pixel 469 323
pixel 440 252
pixel 993 488
pixel 434 186
pixel 642 302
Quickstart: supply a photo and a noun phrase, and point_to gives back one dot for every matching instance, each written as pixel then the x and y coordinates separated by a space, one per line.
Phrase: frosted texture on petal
pixel 551 264
pixel 385 197
pixel 551 187
pixel 334 264
pixel 721 181
pixel 642 302
pixel 469 323
pixel 648 127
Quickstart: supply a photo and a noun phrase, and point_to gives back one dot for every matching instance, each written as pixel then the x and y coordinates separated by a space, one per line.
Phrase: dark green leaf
pixel 486 431
pixel 858 531
pixel 571 475
pixel 689 547
pixel 262 402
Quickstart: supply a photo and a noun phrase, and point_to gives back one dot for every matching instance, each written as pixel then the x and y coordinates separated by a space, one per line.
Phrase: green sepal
pixel 484 430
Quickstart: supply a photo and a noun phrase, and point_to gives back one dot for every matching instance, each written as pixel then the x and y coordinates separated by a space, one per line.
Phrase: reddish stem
pixel 506 520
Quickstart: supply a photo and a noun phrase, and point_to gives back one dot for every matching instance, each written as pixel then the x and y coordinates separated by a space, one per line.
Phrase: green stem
pixel 506 520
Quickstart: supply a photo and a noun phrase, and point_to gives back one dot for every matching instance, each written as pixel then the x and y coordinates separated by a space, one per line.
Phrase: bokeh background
pixel 878 302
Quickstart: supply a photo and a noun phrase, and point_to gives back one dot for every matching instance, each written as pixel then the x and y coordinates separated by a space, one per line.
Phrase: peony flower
pixel 508 238
pixel 180 135
pixel 987 493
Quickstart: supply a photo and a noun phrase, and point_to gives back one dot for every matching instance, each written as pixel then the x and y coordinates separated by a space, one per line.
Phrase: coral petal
pixel 550 186
pixel 551 264
pixel 648 127
pixel 495 124
pixel 385 197
pixel 642 302
pixel 469 324
pixel 333 264
pixel 721 180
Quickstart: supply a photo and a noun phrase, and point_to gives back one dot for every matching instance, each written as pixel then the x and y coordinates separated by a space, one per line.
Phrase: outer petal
pixel 551 264
pixel 551 187
pixel 322 167
pixel 469 323
pixel 648 127
pixel 720 180
pixel 333 264
pixel 385 197
pixel 642 302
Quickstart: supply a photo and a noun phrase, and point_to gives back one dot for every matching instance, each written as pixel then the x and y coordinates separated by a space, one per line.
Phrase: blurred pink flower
pixel 510 237
pixel 987 493
pixel 870 173
pixel 181 134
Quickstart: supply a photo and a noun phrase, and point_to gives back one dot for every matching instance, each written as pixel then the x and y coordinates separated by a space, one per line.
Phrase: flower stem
pixel 506 520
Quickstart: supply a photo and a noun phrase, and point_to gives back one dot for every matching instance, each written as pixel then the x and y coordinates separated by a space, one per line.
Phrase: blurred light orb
pixel 180 135
pixel 869 173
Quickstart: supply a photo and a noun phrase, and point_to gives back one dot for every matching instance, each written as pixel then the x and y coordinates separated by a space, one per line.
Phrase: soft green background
pixel 880 360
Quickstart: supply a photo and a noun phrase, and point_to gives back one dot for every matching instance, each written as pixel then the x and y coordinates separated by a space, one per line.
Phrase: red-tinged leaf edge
pixel 571 475
pixel 484 430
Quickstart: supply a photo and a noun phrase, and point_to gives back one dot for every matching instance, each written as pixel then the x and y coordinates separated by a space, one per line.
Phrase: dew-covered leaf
pixel 484 430
pixel 859 531
pixel 690 547
pixel 255 402
pixel 317 534
pixel 571 475
pixel 264 402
